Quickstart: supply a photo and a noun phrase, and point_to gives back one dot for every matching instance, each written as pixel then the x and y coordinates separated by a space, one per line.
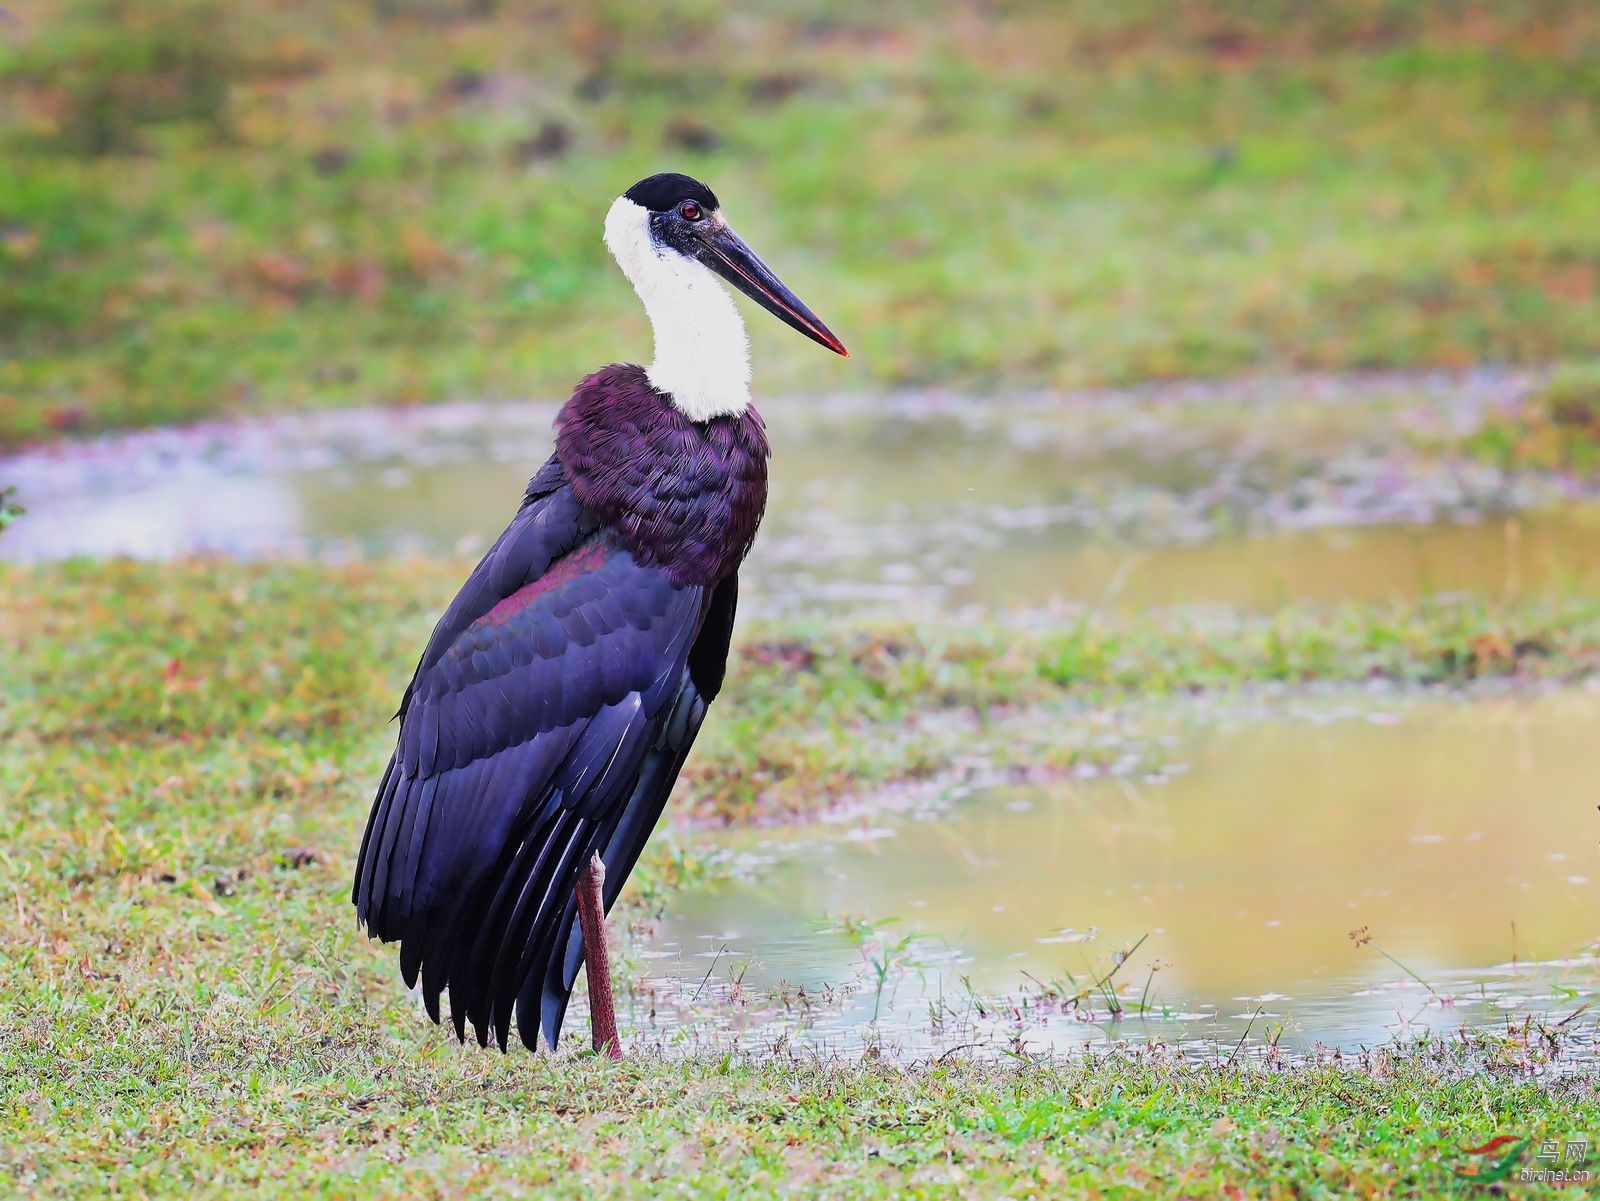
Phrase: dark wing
pixel 699 686
pixel 547 720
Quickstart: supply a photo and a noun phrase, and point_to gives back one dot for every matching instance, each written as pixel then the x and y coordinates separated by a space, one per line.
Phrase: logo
pixel 1557 1161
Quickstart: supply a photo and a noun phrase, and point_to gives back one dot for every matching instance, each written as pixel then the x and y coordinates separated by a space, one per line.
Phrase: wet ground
pixel 1237 495
pixel 1234 858
pixel 1338 876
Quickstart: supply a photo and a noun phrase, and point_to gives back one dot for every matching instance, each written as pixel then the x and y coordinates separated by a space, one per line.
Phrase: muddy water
pixel 1121 501
pixel 1461 838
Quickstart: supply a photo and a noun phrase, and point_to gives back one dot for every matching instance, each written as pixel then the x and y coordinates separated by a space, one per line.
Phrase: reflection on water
pixel 1462 839
pixel 1515 556
pixel 996 503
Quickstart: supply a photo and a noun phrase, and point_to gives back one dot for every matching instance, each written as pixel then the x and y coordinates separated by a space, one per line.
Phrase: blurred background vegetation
pixel 1377 656
pixel 214 206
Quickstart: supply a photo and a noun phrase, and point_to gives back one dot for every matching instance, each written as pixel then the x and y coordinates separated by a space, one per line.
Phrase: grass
pixel 1556 428
pixel 190 750
pixel 211 207
pixel 120 678
pixel 214 207
pixel 9 509
pixel 279 1094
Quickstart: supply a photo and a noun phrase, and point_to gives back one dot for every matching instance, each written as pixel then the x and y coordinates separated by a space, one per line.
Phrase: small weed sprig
pixel 10 510
pixel 1074 996
pixel 884 953
pixel 1363 937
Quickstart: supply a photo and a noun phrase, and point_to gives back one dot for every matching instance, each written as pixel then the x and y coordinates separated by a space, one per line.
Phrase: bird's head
pixel 665 227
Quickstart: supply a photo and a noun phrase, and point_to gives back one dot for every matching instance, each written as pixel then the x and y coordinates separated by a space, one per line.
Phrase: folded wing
pixel 547 721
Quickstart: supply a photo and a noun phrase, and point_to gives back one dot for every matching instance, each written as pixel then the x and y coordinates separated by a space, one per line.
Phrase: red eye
pixel 689 211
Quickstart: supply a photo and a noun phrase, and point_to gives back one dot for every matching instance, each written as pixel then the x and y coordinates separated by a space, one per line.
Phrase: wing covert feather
pixel 545 721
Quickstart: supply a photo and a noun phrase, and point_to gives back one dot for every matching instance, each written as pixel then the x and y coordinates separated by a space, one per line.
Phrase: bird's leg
pixel 596 960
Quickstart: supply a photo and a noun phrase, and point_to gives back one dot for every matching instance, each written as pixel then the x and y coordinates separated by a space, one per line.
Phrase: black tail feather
pixel 488 915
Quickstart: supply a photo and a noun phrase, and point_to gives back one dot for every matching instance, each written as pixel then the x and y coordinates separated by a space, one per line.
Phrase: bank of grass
pixel 129 689
pixel 213 206
pixel 1556 427
pixel 282 1091
pixel 189 751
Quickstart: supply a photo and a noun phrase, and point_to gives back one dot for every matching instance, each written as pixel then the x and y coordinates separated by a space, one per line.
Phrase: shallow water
pixel 1460 838
pixel 1130 500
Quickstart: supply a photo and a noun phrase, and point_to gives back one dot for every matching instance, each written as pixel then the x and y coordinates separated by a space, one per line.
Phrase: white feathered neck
pixel 702 352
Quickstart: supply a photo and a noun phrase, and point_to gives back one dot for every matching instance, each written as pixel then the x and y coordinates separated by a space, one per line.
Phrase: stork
pixel 559 695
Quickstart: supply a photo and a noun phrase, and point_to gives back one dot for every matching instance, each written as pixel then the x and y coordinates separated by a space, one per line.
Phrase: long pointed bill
pixel 725 253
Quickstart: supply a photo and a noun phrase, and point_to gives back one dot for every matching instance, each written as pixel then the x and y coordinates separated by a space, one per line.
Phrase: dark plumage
pixel 661 192
pixel 556 701
pixel 562 689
